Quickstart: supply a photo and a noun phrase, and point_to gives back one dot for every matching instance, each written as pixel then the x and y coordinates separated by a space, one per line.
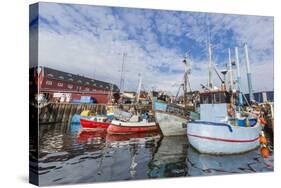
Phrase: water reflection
pixel 203 164
pixel 169 160
pixel 69 154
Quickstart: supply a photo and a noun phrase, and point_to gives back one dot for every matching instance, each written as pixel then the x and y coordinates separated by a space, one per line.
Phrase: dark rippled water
pixel 70 155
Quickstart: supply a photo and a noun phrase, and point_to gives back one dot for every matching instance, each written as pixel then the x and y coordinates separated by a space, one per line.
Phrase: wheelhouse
pixel 214 97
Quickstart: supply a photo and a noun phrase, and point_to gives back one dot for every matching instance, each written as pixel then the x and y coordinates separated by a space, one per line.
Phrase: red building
pixel 54 84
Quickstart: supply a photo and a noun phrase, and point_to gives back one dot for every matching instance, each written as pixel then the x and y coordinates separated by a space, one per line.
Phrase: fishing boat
pixel 132 126
pixel 222 129
pixel 87 114
pixel 170 122
pixel 172 118
pixel 95 122
pixel 218 132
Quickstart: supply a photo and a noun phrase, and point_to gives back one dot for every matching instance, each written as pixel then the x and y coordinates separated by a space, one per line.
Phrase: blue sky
pixel 90 40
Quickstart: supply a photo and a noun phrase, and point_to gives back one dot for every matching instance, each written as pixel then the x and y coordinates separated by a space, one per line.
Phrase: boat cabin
pixel 215 97
pixel 214 106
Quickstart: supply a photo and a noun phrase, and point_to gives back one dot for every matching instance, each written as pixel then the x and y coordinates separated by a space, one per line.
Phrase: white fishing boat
pixel 218 132
pixel 221 129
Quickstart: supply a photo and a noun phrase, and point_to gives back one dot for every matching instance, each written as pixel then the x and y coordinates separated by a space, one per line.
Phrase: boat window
pixel 215 98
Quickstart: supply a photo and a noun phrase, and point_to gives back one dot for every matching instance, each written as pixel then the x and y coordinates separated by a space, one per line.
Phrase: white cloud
pixel 90 40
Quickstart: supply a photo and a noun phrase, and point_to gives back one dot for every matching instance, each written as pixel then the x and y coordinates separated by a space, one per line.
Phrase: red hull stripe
pixel 221 139
pixel 93 124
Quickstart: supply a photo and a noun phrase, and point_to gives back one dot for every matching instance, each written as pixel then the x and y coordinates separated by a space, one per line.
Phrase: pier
pixel 63 112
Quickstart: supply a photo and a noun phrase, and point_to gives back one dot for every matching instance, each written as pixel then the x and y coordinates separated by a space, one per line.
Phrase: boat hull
pixel 170 124
pixel 91 124
pixel 118 127
pixel 221 138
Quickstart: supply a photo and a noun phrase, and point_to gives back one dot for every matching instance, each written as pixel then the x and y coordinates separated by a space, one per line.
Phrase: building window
pixel 61 77
pixel 87 89
pixel 60 84
pixel 69 86
pixel 49 83
pixel 94 90
pixel 50 75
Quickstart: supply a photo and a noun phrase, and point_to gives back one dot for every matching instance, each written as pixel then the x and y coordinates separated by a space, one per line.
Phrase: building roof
pixel 78 79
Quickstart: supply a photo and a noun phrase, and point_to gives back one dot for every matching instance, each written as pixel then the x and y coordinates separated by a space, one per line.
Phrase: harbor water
pixel 68 154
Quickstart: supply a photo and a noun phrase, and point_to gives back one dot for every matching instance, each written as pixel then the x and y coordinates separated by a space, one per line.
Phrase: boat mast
pixel 240 97
pixel 139 88
pixel 122 77
pixel 186 79
pixel 210 81
pixel 251 96
pixel 230 71
pixel 210 67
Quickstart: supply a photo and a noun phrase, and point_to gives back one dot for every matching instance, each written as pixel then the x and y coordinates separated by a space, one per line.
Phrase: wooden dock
pixel 63 112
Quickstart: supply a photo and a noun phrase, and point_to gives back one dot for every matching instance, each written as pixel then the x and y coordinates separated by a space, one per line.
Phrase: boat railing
pixel 213 124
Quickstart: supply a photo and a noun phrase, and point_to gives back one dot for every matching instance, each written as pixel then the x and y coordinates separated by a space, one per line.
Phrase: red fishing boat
pixel 95 122
pixel 120 127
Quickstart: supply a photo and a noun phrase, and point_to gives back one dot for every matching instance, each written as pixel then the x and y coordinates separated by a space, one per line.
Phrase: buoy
pixel 264 151
pixel 262 121
pixel 263 139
